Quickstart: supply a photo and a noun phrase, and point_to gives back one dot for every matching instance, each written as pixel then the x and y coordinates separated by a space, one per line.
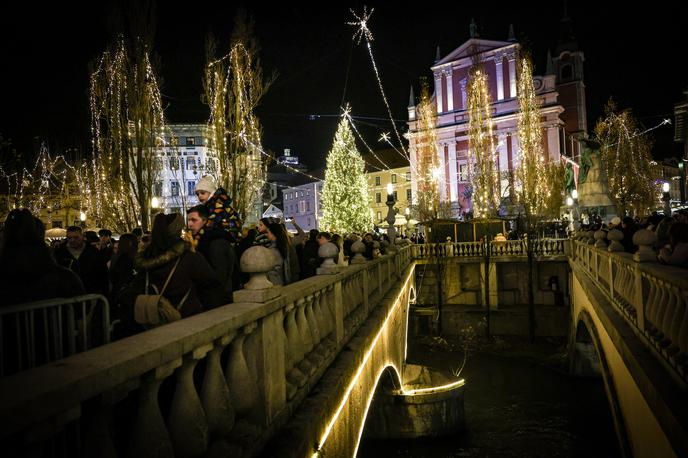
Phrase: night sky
pixel 633 54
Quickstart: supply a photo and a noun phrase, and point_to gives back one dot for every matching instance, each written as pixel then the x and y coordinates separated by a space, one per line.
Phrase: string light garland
pixel 482 161
pixel 364 33
pixel 625 156
pixel 533 188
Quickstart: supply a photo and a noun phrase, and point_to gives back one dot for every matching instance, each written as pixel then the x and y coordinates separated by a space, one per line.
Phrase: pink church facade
pixel 499 59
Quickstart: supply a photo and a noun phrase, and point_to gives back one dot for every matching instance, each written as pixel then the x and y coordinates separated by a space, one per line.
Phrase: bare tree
pixel 234 86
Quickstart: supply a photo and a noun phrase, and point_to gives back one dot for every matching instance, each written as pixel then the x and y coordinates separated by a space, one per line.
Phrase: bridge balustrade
pixel 233 375
pixel 541 247
pixel 650 296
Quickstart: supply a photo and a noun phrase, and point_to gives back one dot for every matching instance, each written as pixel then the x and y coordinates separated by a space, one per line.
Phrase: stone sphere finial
pixel 358 248
pixel 616 236
pixel 257 261
pixel 645 240
pixel 600 237
pixel 328 251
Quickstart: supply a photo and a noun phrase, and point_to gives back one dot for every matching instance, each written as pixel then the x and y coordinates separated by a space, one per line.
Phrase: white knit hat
pixel 207 183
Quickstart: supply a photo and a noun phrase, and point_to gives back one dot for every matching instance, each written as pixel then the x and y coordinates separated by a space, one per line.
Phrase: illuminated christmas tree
pixel 345 193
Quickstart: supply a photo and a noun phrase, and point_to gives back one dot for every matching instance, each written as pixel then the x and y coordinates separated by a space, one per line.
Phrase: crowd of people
pixel 671 234
pixel 194 264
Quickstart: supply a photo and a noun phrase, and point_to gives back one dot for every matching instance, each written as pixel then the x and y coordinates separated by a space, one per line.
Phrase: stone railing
pixel 652 297
pixel 220 382
pixel 541 247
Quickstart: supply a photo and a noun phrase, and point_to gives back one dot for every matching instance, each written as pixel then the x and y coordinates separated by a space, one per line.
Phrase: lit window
pixel 394 178
pixel 190 141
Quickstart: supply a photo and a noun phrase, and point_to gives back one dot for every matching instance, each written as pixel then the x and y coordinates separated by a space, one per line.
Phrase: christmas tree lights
pixel 345 193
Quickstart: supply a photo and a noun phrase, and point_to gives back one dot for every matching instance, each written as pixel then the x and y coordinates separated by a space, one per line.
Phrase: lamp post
pixel 391 230
pixel 666 197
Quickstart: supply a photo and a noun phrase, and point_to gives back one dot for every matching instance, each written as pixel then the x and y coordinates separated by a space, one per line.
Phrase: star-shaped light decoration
pixel 385 137
pixel 362 24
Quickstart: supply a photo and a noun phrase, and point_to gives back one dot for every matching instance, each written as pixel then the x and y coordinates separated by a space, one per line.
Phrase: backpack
pixel 153 310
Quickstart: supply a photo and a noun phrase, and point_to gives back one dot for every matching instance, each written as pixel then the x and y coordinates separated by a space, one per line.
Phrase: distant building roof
pixel 387 158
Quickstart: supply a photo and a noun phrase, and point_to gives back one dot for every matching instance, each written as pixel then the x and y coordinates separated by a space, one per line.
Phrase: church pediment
pixel 471 47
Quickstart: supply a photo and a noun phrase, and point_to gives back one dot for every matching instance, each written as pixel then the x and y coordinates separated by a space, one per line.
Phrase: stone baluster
pixel 307 340
pixel 242 388
pixel 215 397
pixel 645 240
pixel 187 423
pixel 97 429
pixel 294 352
pixel 320 315
pixel 358 248
pixel 317 355
pixel 616 236
pixel 600 239
pixel 149 436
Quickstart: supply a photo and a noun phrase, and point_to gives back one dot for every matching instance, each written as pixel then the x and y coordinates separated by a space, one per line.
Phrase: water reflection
pixel 517 408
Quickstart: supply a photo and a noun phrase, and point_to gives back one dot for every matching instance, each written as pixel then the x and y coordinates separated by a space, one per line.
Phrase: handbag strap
pixel 164 287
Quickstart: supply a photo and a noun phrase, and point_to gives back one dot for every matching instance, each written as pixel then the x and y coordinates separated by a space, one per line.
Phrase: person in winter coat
pixel 27 271
pixel 286 269
pixel 221 214
pixel 214 244
pixel 676 254
pixel 193 284
pixel 85 260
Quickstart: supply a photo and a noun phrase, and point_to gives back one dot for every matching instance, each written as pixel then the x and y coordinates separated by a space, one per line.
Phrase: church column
pixel 442 175
pixel 438 91
pixel 453 183
pixel 450 89
pixel 503 152
pixel 512 74
pixel 499 76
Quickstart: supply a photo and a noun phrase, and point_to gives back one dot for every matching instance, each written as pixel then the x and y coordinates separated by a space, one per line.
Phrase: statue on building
pixel 473 29
pixel 570 180
pixel 590 148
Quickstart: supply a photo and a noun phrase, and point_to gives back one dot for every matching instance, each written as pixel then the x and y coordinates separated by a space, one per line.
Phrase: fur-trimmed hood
pixel 143 263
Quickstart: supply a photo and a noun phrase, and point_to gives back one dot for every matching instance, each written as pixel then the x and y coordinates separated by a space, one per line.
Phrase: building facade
pixel 383 167
pixel 183 159
pixel 303 204
pixel 560 91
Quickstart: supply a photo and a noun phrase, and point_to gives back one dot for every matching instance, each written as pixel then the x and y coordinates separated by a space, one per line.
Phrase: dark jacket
pixel 90 267
pixel 193 275
pixel 29 274
pixel 216 248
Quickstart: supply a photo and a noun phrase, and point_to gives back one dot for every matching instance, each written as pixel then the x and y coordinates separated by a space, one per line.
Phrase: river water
pixel 517 404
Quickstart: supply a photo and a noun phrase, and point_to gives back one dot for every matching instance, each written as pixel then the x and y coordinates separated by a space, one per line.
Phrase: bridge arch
pixel 622 361
pixel 587 358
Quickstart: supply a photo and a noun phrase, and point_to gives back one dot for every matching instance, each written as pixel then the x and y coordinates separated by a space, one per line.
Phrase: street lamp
pixel 391 230
pixel 666 197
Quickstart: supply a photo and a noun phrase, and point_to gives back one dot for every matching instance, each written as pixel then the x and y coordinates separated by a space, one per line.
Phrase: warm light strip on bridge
pixel 350 388
pixel 434 389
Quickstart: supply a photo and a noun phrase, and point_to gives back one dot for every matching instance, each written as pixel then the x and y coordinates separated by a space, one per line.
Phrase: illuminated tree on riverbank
pixel 482 152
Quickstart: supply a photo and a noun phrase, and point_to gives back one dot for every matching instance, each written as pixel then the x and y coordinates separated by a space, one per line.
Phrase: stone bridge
pixel 292 372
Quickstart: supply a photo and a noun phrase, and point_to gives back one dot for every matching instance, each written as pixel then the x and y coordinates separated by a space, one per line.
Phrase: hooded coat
pixel 222 215
pixel 193 275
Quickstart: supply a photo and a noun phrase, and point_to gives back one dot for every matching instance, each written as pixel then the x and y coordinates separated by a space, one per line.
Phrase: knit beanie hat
pixel 207 183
